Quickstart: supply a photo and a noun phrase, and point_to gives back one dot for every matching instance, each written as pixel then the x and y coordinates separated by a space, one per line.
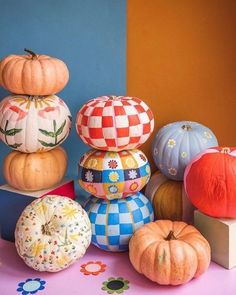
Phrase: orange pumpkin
pixel 169 253
pixel 169 199
pixel 33 74
pixel 35 171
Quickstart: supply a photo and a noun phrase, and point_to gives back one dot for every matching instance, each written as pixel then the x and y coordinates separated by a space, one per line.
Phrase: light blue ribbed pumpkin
pixel 177 143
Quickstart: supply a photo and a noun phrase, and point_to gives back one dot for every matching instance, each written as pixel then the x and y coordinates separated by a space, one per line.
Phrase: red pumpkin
pixel 210 182
pixel 114 123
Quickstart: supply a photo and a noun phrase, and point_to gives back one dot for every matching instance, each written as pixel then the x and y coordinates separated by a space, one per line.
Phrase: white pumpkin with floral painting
pixel 34 123
pixel 52 233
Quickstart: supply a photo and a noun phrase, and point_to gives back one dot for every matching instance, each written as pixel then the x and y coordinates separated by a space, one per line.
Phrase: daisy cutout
pixel 93 268
pixel 132 174
pixel 89 176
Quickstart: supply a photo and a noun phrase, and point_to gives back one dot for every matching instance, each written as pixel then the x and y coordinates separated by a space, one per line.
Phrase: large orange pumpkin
pixel 210 182
pixel 169 199
pixel 169 253
pixel 35 171
pixel 33 74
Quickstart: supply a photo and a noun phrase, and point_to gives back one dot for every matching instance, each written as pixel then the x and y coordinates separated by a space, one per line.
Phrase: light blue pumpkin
pixel 114 221
pixel 177 143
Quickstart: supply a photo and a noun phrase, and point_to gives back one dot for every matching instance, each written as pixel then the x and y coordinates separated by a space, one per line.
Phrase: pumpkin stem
pixel 186 127
pixel 46 230
pixel 34 55
pixel 170 236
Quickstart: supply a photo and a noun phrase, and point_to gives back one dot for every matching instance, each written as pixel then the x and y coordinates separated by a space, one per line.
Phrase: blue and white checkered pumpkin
pixel 115 221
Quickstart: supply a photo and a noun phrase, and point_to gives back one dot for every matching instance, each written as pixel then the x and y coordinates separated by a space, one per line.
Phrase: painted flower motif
pixel 184 154
pixel 37 248
pixel 92 163
pixel 111 154
pixel 171 143
pixel 172 171
pixel 69 212
pixel 31 286
pixel 113 189
pixel 89 176
pixel 155 151
pixel 112 164
pixel 130 163
pixel 133 186
pixel 93 268
pixel 207 135
pixel 142 157
pixel 49 112
pixel 17 113
pixel 113 176
pixel 113 285
pixel 92 189
pixel 148 169
pixel 132 174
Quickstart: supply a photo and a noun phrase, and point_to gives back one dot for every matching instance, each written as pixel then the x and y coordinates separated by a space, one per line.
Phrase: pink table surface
pixel 216 280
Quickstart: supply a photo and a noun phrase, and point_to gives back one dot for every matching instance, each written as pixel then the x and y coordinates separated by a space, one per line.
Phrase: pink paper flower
pixel 49 112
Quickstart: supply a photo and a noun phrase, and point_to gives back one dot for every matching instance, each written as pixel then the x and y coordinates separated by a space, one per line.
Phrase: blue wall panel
pixel 90 36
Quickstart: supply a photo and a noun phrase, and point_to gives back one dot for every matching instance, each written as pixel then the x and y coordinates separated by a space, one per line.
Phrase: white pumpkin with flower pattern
pixel 52 233
pixel 32 123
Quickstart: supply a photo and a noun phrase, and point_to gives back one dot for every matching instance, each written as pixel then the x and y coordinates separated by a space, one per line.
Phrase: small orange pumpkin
pixel 33 74
pixel 169 253
pixel 169 199
pixel 35 171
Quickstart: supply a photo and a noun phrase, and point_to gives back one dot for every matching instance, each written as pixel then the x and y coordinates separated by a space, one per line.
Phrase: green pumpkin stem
pixel 170 236
pixel 34 55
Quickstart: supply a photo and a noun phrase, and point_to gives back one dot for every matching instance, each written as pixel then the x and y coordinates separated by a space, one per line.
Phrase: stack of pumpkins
pixel 115 170
pixel 174 146
pixel 34 121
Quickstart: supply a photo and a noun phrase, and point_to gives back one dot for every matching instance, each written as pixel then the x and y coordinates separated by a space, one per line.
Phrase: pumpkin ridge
pixel 7 72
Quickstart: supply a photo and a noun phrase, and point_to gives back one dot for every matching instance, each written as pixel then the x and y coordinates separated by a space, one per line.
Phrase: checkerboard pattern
pixel 114 222
pixel 114 123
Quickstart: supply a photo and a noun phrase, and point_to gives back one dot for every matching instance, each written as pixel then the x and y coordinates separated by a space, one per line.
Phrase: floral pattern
pixel 113 189
pixel 31 123
pixel 89 176
pixel 52 233
pixel 176 144
pixel 184 154
pixel 115 285
pixel 132 174
pixel 171 143
pixel 112 164
pixel 172 171
pixel 31 286
pixel 112 177
pixel 93 268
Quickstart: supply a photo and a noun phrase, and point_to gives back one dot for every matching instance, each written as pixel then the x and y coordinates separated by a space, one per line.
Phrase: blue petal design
pixel 25 292
pixel 19 289
pixel 21 284
pixel 28 280
pixel 42 282
pixel 37 279
pixel 41 288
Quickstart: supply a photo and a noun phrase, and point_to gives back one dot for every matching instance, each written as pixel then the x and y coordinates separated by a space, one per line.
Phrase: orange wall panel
pixel 181 59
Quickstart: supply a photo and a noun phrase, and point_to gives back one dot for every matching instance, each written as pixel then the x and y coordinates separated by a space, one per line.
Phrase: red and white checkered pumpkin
pixel 114 123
